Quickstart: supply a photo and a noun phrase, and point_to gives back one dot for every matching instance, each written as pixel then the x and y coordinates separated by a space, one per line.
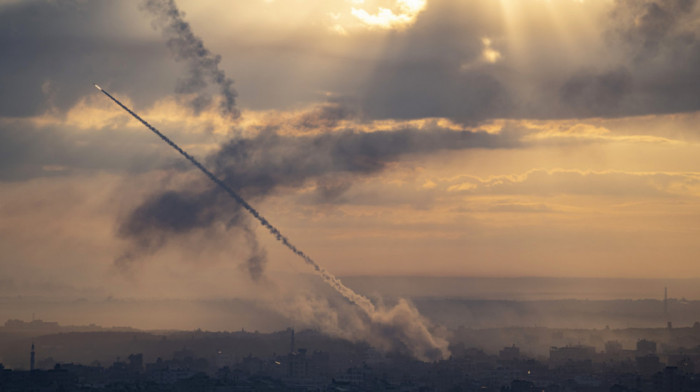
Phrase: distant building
pixel 291 342
pixel 646 347
pixel 509 353
pixel 135 363
pixel 572 359
pixel 298 365
pixel 522 386
pixel 648 365
pixel 31 358
pixel 561 355
pixel 613 348
pixel 671 380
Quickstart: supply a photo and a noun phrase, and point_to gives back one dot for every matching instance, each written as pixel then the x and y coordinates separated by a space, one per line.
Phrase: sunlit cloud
pixel 489 54
pixel 583 182
pixel 385 18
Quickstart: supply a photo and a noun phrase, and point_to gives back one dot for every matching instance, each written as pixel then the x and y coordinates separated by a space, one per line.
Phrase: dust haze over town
pixel 400 177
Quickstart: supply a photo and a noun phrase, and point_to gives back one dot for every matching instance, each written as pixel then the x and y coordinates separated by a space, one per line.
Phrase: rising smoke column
pixel 203 64
pixel 203 73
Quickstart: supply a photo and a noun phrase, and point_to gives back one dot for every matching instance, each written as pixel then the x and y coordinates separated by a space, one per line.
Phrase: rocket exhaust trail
pixel 361 301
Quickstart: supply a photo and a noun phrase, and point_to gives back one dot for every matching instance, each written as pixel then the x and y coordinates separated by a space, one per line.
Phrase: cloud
pixel 646 61
pixel 521 208
pixel 54 51
pixel 28 150
pixel 660 63
pixel 646 26
pixel 593 94
pixel 421 73
pixel 641 58
pixel 385 18
pixel 576 182
pixel 329 114
pixel 94 136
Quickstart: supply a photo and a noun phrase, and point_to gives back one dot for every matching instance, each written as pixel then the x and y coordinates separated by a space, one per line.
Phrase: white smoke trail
pixel 402 322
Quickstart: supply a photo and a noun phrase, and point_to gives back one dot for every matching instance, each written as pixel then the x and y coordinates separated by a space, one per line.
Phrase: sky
pixel 480 138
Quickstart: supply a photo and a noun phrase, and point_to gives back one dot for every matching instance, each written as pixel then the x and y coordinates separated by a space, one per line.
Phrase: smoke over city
pixel 254 167
pixel 401 324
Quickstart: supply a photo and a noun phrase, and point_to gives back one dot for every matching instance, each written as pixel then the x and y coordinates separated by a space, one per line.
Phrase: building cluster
pixel 568 368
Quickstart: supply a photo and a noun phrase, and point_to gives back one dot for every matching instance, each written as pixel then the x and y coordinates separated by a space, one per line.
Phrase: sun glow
pixel 489 54
pixel 385 18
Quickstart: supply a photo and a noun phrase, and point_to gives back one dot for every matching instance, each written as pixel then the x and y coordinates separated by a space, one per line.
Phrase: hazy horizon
pixel 450 302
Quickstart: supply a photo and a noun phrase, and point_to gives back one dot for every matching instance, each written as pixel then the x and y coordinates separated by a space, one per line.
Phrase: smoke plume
pixel 402 322
pixel 397 328
pixel 172 214
pixel 258 166
pixel 203 64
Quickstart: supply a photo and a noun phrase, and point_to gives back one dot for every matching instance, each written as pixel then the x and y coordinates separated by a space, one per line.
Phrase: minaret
pixel 668 319
pixel 31 359
pixel 291 345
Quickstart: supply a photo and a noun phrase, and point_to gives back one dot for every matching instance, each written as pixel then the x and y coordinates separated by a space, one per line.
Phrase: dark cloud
pixel 429 89
pixel 648 25
pixel 593 94
pixel 651 65
pixel 650 62
pixel 660 69
pixel 424 71
pixel 53 51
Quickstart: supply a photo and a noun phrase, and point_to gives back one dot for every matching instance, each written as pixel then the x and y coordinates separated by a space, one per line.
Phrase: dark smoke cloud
pixel 168 213
pixel 255 263
pixel 172 214
pixel 203 64
pixel 256 167
pixel 239 220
